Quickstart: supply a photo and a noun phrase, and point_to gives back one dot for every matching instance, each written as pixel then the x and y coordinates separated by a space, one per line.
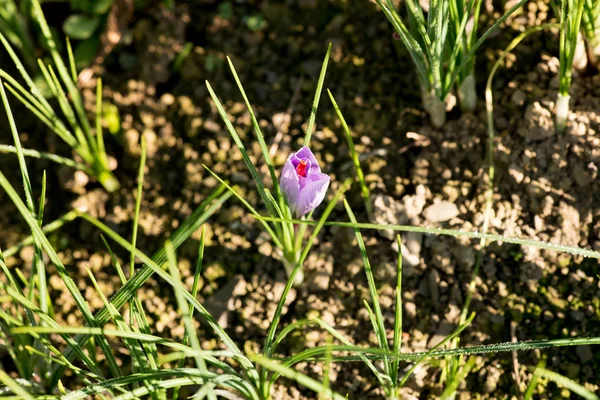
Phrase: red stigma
pixel 301 168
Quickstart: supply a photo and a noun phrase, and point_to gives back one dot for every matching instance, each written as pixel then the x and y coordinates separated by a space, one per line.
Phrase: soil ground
pixel 545 187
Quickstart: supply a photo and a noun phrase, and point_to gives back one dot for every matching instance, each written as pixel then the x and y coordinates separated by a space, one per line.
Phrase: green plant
pixel 86 24
pixel 77 132
pixel 571 12
pixel 442 48
pixel 27 326
pixel 287 237
pixel 457 368
pixel 591 30
pixel 572 386
pixel 14 25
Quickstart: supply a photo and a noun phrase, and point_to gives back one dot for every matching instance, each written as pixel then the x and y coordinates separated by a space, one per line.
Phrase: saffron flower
pixel 302 182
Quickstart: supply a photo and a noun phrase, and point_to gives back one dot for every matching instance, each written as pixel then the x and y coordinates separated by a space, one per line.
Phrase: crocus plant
pixel 300 189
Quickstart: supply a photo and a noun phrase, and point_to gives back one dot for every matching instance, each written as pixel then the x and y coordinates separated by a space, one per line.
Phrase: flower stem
pixel 289 262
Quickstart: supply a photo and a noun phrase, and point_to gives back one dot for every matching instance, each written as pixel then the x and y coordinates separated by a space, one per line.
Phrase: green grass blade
pixel 315 106
pixel 257 130
pixel 194 292
pixel 191 224
pixel 71 60
pixel 61 68
pixel 397 347
pixel 138 314
pixel 101 151
pixel 482 39
pixel 269 230
pixel 357 168
pixel 14 386
pixel 294 375
pixel 183 310
pixel 378 354
pixel 253 171
pixel 4 148
pixel 534 381
pixel 451 232
pixel 19 150
pixel 138 204
pixel 318 321
pixel 51 324
pixel 379 322
pixel 45 244
pixel 566 382
pixel 23 71
pixel 185 377
pixel 156 268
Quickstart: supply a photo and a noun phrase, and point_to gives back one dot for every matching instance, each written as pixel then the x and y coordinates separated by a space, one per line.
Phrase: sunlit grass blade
pixel 48 156
pixel 571 12
pixel 60 65
pixel 529 391
pixel 257 130
pixel 297 376
pixel 251 209
pixel 49 228
pixel 51 324
pixel 45 244
pixel 183 310
pixel 185 230
pixel 149 349
pixel 194 292
pixel 156 268
pixel 318 321
pixel 71 60
pixel 449 392
pixel 18 150
pixel 14 387
pixel 378 316
pixel 567 383
pixel 378 354
pixel 134 348
pixel 185 377
pixel 355 159
pixel 70 103
pixel 451 232
pixel 315 105
pixel 236 138
pixel 23 71
pixel 397 341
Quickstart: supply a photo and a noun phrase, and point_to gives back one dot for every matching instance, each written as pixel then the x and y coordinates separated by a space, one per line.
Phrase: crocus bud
pixel 302 182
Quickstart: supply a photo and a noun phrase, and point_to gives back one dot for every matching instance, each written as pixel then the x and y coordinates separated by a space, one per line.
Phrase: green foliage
pixel 571 12
pixel 441 47
pixel 77 131
pixel 80 26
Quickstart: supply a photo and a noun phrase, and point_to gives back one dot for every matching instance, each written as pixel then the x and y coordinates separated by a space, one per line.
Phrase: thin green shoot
pixel 452 232
pixel 561 380
pixel 355 159
pixel 571 12
pixel 315 106
pixel 530 390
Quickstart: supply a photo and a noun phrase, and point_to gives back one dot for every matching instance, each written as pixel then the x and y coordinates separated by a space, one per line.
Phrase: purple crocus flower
pixel 302 182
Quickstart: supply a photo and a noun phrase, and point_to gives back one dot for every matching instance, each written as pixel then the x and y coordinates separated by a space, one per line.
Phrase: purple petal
pixel 289 183
pixel 305 153
pixel 312 194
